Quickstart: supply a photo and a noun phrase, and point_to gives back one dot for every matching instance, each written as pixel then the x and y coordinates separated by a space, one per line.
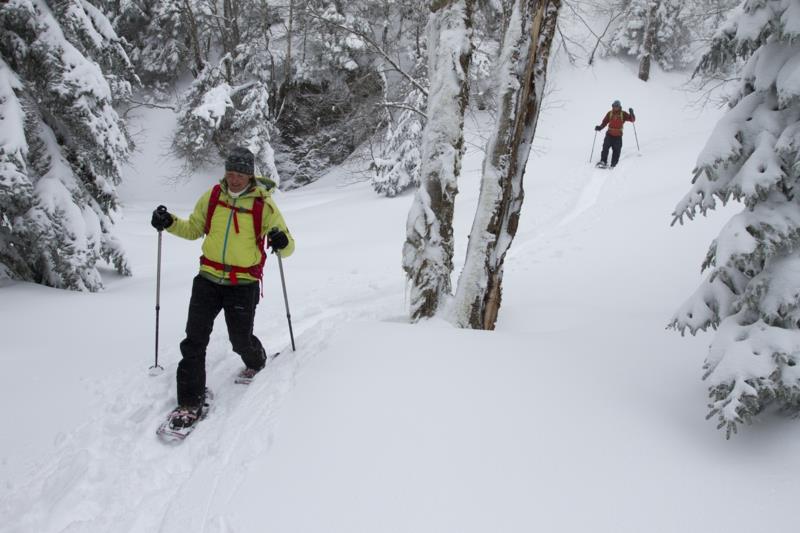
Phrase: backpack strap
pixel 212 205
pixel 258 213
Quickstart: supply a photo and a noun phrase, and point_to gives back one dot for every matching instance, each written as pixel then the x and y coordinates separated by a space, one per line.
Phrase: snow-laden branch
pixel 369 40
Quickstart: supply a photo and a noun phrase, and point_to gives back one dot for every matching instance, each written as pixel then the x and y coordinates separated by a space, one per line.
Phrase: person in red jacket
pixel 615 120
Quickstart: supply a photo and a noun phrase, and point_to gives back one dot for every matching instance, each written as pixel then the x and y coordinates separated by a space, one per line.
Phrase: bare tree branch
pixel 396 105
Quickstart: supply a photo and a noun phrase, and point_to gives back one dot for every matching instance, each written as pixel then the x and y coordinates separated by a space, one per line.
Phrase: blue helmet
pixel 616 103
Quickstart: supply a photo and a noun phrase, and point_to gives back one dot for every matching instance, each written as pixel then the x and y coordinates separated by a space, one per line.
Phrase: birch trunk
pixel 522 73
pixel 428 250
pixel 649 40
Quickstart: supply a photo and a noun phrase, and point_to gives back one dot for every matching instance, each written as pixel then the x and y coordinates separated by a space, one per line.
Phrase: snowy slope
pixel 579 413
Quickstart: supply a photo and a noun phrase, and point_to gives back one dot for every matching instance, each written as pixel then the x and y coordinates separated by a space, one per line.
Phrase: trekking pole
pixel 156 367
pixel 285 299
pixel 593 143
pixel 636 136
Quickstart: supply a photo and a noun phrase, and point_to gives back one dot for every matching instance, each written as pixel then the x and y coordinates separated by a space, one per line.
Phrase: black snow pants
pixel 615 144
pixel 208 298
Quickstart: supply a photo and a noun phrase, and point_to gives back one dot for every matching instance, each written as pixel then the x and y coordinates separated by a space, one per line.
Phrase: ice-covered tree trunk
pixel 428 250
pixel 522 74
pixel 650 31
pixel 751 294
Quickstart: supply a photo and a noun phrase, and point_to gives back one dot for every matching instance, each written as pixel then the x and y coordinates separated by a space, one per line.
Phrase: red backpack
pixel 257 271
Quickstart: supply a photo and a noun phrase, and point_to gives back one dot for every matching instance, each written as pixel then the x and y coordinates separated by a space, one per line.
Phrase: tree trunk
pixel 522 75
pixel 194 37
pixel 649 40
pixel 428 250
pixel 287 74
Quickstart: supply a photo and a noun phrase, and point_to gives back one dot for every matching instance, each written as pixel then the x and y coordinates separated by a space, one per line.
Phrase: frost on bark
pixel 428 250
pixel 522 74
pixel 651 29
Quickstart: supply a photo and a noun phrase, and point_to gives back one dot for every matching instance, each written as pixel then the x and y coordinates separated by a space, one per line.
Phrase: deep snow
pixel 580 413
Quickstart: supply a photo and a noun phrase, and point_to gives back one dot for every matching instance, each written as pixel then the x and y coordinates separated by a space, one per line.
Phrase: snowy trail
pixel 589 196
pixel 156 487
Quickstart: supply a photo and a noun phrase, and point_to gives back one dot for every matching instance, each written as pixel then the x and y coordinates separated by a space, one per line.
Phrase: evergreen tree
pixel 62 144
pixel 169 45
pixel 750 294
pixel 227 106
pixel 397 162
pixel 396 167
pixel 330 106
pixel 332 47
pixel 88 29
pixel 653 30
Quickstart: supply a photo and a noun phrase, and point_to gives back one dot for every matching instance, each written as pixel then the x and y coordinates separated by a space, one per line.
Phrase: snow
pixel 580 413
pixel 79 72
pixel 214 105
pixel 12 118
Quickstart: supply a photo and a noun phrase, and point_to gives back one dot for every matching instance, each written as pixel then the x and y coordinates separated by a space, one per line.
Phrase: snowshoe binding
pixel 183 419
pixel 247 375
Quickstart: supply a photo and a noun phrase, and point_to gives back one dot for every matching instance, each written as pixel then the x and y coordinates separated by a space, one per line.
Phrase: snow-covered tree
pixel 331 104
pixel 428 250
pixel 751 294
pixel 396 167
pixel 170 44
pixel 61 142
pixel 167 38
pixel 653 30
pixel 521 73
pixel 228 105
pixel 88 29
pixel 332 47
pixel 396 160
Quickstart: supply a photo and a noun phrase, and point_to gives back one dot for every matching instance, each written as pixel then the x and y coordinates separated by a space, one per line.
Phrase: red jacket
pixel 615 121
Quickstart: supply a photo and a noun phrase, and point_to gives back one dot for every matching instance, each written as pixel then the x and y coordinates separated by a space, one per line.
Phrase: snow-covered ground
pixel 580 413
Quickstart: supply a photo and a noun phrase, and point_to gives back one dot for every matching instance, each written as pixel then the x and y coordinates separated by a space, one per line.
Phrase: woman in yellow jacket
pixel 238 218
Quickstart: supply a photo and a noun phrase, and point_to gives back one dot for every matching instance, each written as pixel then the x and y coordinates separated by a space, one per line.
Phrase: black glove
pixel 630 111
pixel 161 218
pixel 277 239
pixel 598 128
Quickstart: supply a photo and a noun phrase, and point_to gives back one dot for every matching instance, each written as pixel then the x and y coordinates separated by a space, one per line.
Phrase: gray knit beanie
pixel 241 160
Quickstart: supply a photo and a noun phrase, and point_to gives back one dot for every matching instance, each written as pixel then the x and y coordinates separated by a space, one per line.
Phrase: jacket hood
pixel 258 186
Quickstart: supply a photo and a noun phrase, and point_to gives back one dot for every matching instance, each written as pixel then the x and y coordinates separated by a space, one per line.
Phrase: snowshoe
pixel 183 419
pixel 246 376
pixel 601 164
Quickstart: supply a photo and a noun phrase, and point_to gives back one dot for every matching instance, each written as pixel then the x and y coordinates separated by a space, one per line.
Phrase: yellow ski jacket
pixel 224 244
